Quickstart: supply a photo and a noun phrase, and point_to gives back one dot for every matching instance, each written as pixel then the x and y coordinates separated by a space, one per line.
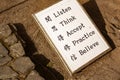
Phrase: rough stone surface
pixel 10 40
pixel 23 65
pixel 7 72
pixel 111 13
pixel 105 68
pixel 5 31
pixel 11 79
pixel 34 76
pixel 17 50
pixel 6 4
pixel 4 58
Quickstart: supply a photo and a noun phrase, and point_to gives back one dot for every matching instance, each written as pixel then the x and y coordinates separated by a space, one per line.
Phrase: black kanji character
pixel 48 19
pixel 60 37
pixel 73 57
pixel 54 28
pixel 67 47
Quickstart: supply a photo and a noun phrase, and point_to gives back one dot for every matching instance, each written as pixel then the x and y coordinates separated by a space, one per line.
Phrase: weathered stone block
pixel 10 40
pixel 11 79
pixel 5 31
pixel 34 76
pixel 17 50
pixel 4 58
pixel 3 50
pixel 23 65
pixel 6 4
pixel 7 72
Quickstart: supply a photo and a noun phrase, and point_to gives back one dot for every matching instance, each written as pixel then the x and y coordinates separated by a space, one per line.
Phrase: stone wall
pixel 14 64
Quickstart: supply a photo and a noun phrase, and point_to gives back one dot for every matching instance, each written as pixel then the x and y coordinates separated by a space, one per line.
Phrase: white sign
pixel 72 34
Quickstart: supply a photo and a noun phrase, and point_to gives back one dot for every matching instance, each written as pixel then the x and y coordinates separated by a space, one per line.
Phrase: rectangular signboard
pixel 73 35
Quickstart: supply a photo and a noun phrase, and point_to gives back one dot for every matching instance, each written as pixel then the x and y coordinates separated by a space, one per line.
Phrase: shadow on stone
pixel 95 14
pixel 47 72
pixel 39 60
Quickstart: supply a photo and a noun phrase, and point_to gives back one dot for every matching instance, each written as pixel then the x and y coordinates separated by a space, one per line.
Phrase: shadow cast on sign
pixel 39 60
pixel 95 14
